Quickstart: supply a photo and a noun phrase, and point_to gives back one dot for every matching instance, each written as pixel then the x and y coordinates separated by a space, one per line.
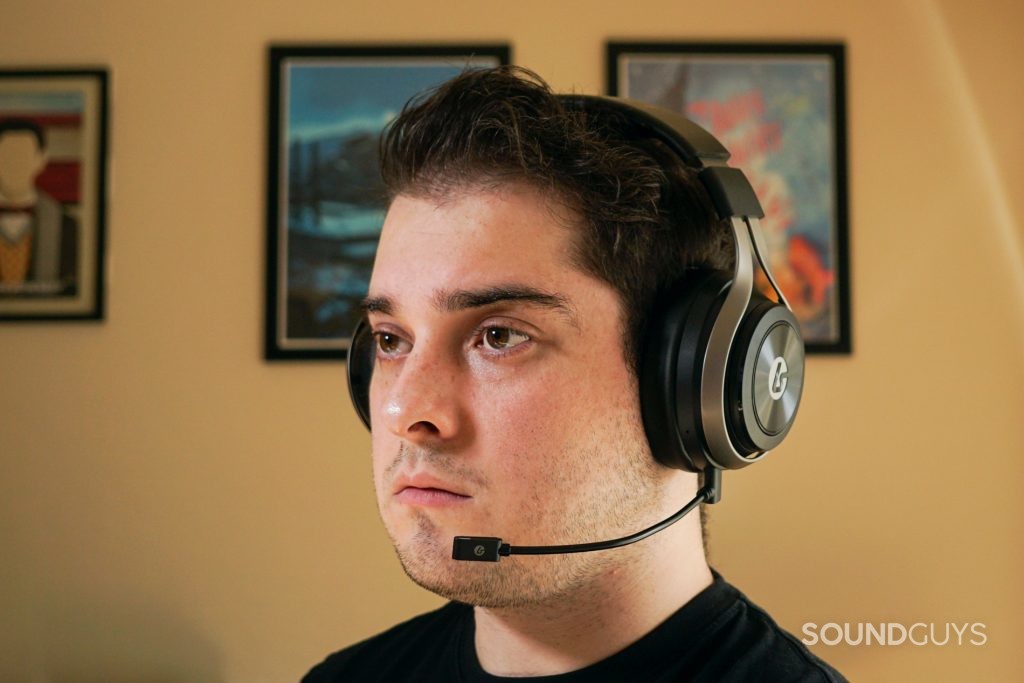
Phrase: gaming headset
pixel 721 365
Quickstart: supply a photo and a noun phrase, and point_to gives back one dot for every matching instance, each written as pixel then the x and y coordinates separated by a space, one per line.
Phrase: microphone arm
pixel 491 549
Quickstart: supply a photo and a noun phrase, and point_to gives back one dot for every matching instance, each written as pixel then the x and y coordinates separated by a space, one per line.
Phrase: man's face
pixel 501 403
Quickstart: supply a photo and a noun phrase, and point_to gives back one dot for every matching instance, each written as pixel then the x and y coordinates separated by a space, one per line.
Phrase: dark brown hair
pixel 644 217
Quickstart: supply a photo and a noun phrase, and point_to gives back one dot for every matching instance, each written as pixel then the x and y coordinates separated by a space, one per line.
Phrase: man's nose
pixel 421 402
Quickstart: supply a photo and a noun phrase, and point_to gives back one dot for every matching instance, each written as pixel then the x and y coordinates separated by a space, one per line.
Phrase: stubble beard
pixel 581 512
pixel 513 582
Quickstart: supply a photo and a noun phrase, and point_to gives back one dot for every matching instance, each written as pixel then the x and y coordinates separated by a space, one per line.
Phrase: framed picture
pixel 780 109
pixel 53 169
pixel 325 199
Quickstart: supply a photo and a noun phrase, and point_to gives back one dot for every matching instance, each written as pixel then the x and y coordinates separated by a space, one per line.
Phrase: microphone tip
pixel 476 548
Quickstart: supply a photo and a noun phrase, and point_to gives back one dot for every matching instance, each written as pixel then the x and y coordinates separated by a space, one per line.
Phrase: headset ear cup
pixel 361 356
pixel 671 359
pixel 765 377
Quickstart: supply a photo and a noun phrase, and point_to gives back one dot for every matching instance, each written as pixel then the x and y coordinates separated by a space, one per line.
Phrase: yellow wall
pixel 173 508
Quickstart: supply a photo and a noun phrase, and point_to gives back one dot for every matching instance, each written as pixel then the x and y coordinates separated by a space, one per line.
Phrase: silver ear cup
pixel 778 377
pixel 767 379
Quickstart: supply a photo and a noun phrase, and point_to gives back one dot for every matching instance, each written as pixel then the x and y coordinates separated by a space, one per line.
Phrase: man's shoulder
pixel 392 651
pixel 755 647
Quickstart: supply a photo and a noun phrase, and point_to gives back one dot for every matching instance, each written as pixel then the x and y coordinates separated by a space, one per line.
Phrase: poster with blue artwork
pixel 780 111
pixel 326 202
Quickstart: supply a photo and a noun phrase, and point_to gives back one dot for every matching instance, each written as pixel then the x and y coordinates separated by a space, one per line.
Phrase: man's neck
pixel 612 612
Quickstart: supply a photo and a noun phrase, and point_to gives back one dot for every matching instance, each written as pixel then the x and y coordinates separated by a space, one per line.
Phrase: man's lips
pixel 429 491
pixel 429 497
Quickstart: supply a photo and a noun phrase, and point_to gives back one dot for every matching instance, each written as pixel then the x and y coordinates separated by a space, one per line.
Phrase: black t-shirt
pixel 719 635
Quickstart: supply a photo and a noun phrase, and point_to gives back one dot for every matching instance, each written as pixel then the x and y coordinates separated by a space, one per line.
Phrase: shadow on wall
pixel 90 642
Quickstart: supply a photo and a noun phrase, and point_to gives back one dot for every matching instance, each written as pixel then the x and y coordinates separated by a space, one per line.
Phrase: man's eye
pixel 501 338
pixel 389 344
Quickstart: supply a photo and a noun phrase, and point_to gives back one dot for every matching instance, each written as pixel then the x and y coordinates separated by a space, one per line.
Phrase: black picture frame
pixel 327 105
pixel 54 137
pixel 797 162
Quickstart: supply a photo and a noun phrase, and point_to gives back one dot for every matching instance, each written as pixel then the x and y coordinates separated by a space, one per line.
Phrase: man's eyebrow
pixel 377 304
pixel 463 299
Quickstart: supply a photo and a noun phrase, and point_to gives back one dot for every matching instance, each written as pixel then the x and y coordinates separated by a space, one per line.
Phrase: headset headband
pixel 729 189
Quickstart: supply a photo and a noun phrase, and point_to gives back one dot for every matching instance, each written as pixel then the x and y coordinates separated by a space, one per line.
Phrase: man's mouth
pixel 430 497
pixel 428 491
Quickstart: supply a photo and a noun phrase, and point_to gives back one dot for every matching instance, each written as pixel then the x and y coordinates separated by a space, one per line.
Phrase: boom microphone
pixel 491 549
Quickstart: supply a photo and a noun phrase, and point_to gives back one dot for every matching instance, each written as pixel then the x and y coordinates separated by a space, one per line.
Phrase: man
pixel 522 249
pixel 37 239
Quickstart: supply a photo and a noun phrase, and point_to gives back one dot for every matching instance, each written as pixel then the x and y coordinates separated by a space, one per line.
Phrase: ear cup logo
pixel 777 379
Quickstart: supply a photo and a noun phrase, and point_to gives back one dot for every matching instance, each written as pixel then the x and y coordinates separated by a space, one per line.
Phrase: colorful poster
pixel 777 115
pixel 52 173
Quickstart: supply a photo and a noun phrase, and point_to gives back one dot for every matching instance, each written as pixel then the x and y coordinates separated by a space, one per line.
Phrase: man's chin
pixel 511 583
pixel 424 550
pixel 426 558
pixel 474 583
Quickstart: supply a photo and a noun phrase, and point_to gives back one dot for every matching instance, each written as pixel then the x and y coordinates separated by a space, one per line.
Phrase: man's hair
pixel 24 126
pixel 644 217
